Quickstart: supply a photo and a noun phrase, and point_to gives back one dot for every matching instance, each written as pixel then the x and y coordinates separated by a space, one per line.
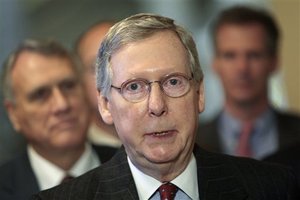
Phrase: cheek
pixel 79 107
pixel 129 119
pixel 260 76
pixel 225 74
pixel 185 111
pixel 124 115
pixel 33 124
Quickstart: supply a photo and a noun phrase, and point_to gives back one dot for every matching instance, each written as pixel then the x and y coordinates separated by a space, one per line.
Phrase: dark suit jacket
pixel 220 177
pixel 288 156
pixel 17 179
pixel 288 130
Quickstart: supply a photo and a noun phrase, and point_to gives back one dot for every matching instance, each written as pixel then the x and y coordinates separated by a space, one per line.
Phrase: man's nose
pixel 60 101
pixel 157 100
pixel 242 63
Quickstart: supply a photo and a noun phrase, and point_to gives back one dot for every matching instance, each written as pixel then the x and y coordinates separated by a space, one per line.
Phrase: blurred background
pixel 64 20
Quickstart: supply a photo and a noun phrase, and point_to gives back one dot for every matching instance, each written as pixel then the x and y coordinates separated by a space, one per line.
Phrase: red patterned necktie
pixel 167 191
pixel 244 148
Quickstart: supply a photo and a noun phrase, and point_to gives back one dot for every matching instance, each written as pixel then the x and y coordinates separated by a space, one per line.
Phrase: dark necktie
pixel 167 191
pixel 244 147
pixel 67 178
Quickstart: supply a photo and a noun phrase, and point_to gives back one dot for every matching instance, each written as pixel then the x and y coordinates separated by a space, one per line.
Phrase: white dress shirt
pixel 49 175
pixel 187 183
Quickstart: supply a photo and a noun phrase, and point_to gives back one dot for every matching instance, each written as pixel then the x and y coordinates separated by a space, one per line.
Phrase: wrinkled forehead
pixel 31 66
pixel 162 53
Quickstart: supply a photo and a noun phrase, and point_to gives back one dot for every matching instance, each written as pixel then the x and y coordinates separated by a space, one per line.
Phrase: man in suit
pixel 246 54
pixel 151 87
pixel 86 48
pixel 45 101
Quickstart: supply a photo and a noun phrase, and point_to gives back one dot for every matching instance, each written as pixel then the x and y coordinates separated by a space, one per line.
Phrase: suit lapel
pixel 217 180
pixel 117 182
pixel 26 183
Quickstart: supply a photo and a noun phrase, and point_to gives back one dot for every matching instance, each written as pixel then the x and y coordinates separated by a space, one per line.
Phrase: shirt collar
pixel 186 181
pixel 87 161
pixel 260 122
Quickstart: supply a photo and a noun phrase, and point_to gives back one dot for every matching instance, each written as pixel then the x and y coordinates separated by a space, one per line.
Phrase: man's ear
pixel 12 114
pixel 201 98
pixel 104 108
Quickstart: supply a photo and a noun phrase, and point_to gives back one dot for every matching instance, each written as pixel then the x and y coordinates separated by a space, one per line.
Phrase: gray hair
pixel 136 28
pixel 47 47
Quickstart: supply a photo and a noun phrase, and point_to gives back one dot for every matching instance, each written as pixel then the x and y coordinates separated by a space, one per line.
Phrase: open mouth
pixel 161 133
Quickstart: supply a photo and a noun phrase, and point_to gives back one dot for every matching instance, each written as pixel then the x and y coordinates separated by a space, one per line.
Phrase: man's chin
pixel 160 158
pixel 68 140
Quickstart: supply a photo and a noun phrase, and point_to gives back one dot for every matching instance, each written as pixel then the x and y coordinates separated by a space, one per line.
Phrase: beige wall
pixel 287 13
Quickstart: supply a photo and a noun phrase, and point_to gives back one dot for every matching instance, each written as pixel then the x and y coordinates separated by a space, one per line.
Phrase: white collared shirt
pixel 49 175
pixel 186 181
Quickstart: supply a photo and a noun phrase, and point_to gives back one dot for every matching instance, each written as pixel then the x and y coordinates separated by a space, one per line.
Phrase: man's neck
pixel 247 112
pixel 163 172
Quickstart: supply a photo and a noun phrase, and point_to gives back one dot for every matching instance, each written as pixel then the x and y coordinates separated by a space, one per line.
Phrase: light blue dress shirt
pixel 263 140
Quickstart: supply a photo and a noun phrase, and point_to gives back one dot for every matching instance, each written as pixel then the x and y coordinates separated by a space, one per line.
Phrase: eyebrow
pixel 33 91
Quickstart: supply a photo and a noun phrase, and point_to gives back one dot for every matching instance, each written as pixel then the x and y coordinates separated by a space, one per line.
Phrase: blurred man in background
pixel 46 103
pixel 246 55
pixel 86 48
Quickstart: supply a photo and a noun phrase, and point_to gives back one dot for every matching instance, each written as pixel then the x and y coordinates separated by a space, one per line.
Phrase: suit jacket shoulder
pixel 104 152
pixel 112 180
pixel 288 128
pixel 289 156
pixel 208 136
pixel 17 180
pixel 228 177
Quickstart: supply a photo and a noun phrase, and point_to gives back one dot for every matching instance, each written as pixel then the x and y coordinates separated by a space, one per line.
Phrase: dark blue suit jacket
pixel 220 177
pixel 18 182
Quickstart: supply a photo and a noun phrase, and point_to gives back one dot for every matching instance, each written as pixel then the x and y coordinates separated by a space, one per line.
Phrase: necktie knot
pixel 67 178
pixel 167 191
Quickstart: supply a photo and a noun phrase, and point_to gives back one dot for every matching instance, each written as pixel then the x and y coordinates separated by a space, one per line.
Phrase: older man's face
pixel 159 129
pixel 50 107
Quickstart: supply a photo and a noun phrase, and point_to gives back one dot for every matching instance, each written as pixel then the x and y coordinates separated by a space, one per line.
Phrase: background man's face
pixel 243 62
pixel 50 105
